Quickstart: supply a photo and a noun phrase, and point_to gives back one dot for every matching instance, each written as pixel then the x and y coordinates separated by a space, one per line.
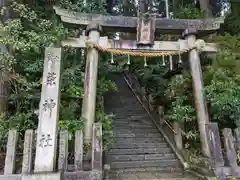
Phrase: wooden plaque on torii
pixel 146 30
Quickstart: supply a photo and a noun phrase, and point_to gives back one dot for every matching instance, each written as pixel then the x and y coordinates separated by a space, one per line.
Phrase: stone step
pixel 136 121
pixel 142 134
pixel 136 140
pixel 139 116
pixel 142 157
pixel 117 175
pixel 128 107
pixel 131 145
pixel 148 176
pixel 121 115
pixel 162 175
pixel 130 112
pixel 142 151
pixel 141 164
pixel 135 177
pixel 133 125
pixel 178 170
pixel 138 125
pixel 123 122
pixel 139 129
pixel 131 118
pixel 132 122
pixel 129 130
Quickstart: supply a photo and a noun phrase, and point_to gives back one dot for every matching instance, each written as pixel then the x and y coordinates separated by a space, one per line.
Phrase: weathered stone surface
pixel 237 137
pixel 129 130
pixel 190 31
pixel 150 102
pixel 11 177
pixel 146 30
pixel 94 26
pixel 90 86
pixel 139 164
pixel 78 160
pixel 214 144
pixel 178 135
pixel 49 109
pixel 132 45
pixel 142 157
pixel 138 140
pixel 139 151
pixel 43 176
pixel 125 23
pixel 80 175
pixel 133 145
pixel 153 135
pixel 199 98
pixel 27 151
pixel 230 150
pixel 63 150
pixel 9 167
pixel 223 172
pixel 83 175
pixel 97 146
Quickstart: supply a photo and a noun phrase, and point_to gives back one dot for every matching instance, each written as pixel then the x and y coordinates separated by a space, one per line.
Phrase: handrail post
pixel 161 115
pixel 178 135
pixel 150 102
pixel 143 93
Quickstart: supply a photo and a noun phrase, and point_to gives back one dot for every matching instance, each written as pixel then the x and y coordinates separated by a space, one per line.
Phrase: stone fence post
pixel 150 102
pixel 161 114
pixel 178 135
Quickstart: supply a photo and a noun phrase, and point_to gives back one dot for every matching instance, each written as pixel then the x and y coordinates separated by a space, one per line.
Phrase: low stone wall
pixel 62 155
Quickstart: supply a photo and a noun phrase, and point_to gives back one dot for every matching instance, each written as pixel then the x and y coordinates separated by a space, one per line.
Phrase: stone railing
pixel 172 132
pixel 223 163
pixel 19 162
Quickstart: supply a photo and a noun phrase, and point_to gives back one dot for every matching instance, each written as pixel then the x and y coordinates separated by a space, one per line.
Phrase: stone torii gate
pixel 146 25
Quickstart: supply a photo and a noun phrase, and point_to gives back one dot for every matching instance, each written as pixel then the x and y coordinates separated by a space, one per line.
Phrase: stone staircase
pixel 138 150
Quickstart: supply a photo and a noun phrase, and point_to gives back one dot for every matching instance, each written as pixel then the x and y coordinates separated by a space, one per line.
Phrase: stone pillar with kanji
pixel 46 146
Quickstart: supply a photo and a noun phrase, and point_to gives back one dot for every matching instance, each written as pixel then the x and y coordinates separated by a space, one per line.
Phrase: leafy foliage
pixel 221 80
pixel 37 27
pixel 28 35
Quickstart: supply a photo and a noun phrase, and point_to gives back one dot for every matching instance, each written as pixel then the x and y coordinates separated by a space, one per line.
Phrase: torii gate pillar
pixel 90 81
pixel 200 102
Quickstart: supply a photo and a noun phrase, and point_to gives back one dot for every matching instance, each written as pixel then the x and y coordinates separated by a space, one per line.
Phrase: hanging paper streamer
pixel 128 62
pixel 179 54
pixel 145 61
pixel 163 61
pixel 82 52
pixel 112 61
pixel 180 58
pixel 170 63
